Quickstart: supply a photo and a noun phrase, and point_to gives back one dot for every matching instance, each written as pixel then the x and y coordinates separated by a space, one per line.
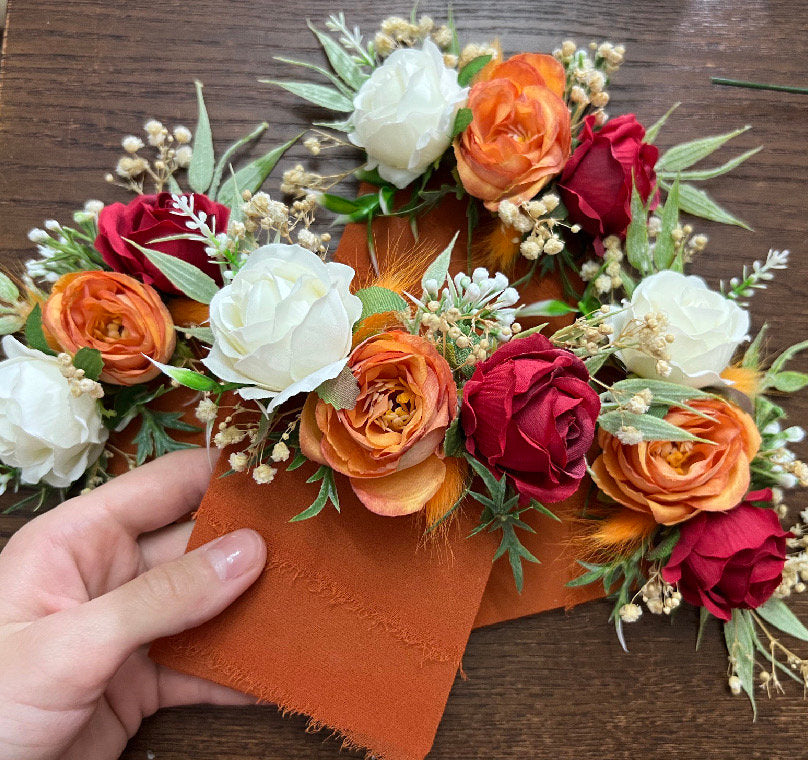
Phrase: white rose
pixel 404 113
pixel 706 327
pixel 45 432
pixel 284 324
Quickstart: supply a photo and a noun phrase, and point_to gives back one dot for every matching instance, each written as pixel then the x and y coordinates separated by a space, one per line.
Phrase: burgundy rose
pixel 596 182
pixel 149 218
pixel 729 560
pixel 528 411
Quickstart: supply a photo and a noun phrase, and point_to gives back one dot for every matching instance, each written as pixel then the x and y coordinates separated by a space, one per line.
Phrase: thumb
pixel 165 600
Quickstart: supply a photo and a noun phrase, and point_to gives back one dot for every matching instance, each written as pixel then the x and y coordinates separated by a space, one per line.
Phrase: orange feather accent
pixel 374 324
pixel 618 534
pixel 449 493
pixel 744 379
pixel 498 248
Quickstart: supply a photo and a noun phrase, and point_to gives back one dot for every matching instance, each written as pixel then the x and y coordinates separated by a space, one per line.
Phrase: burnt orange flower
pixel 389 445
pixel 114 313
pixel 675 480
pixel 519 136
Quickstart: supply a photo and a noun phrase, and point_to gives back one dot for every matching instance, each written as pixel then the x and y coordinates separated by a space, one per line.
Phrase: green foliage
pixel 192 281
pixel 34 335
pixel 8 290
pixel 318 94
pixel 341 61
pixel 501 511
pixel 740 637
pixel 250 177
pixel 652 132
pixel 662 551
pixel 194 380
pixel 89 359
pixel 377 300
pixel 652 428
pixel 698 203
pixel 224 161
pixel 637 251
pixel 463 118
pixel 684 155
pixel 200 170
pixel 454 443
pixel 664 250
pixel 328 493
pixel 776 612
pixel 438 270
pixel 471 69
pixel 153 439
pixel 548 308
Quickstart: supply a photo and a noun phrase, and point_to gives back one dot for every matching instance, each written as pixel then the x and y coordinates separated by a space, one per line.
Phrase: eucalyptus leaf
pixel 671 392
pixel 193 282
pixel 439 268
pixel 652 132
pixel 200 170
pixel 652 428
pixel 684 155
pixel 10 324
pixel 664 250
pixel 8 290
pixel 230 152
pixel 699 175
pixel 787 355
pixel 788 381
pixel 202 334
pixel 777 612
pixel 752 358
pixel 319 94
pixel 251 176
pixel 740 637
pixel 339 126
pixel 637 250
pixel 340 60
pixel 698 203
pixel 336 81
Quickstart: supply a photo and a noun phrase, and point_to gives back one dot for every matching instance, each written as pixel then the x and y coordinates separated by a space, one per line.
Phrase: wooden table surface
pixel 77 75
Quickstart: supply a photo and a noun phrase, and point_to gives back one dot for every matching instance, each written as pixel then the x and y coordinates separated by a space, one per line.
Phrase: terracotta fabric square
pixel 356 622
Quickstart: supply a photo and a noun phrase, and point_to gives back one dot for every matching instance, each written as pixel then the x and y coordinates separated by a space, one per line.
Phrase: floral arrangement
pixel 426 390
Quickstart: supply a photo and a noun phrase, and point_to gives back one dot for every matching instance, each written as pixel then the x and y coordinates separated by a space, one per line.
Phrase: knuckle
pixel 168 584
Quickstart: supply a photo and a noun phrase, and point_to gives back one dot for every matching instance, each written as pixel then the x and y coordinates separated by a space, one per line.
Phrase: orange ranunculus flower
pixel 389 445
pixel 121 317
pixel 519 136
pixel 675 480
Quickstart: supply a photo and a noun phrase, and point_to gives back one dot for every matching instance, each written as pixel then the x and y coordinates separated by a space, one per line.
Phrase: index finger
pixel 155 494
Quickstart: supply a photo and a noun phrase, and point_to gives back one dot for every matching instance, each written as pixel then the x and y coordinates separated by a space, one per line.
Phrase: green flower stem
pixel 759 85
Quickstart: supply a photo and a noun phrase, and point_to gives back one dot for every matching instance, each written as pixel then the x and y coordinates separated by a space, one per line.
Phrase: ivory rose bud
pixel 676 480
pixel 706 328
pixel 519 136
pixel 389 445
pixel 114 313
pixel 283 325
pixel 730 560
pixel 404 113
pixel 45 431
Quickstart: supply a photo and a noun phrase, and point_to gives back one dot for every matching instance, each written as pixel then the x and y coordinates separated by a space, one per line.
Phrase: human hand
pixel 85 587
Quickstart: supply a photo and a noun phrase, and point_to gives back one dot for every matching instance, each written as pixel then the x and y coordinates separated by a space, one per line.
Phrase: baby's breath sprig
pixel 173 151
pixel 396 32
pixel 756 279
pixel 536 221
pixel 588 72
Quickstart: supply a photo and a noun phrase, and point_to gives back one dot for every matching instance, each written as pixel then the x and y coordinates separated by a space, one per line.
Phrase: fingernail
pixel 234 554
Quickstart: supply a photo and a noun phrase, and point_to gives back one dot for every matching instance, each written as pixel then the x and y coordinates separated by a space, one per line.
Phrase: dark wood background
pixel 77 75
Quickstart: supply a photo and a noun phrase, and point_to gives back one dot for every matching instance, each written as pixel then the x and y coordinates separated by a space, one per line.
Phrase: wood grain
pixel 78 75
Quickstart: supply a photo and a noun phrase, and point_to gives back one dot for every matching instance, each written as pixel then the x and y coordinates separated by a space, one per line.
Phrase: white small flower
pixel 52 225
pixel 590 270
pixel 206 410
pixel 284 324
pixel 183 156
pixel 404 113
pixel 706 327
pixel 46 432
pixel 280 452
pixel 735 685
pixel 264 474
pixel 603 284
pixel 182 135
pixel 238 461
pixel 131 144
pixel 628 435
pixel 630 613
pixel 94 207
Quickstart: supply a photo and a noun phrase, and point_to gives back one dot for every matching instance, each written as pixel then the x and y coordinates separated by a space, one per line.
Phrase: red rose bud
pixel 528 412
pixel 596 182
pixel 729 560
pixel 149 218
